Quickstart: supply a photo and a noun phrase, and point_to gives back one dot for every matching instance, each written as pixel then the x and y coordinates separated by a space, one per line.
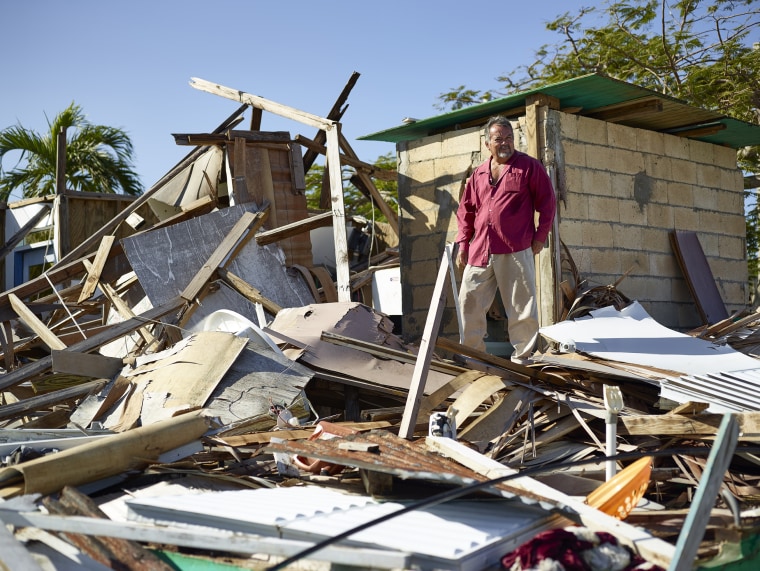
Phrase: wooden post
pixel 427 345
pixel 339 214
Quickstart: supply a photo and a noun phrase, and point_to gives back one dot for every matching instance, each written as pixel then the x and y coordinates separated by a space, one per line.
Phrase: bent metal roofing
pixel 599 97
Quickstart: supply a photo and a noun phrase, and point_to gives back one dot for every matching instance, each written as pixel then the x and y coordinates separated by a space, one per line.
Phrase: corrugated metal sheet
pixel 466 535
pixel 735 391
pixel 591 93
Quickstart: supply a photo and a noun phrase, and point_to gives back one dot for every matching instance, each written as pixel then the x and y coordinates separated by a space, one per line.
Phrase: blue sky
pixel 128 64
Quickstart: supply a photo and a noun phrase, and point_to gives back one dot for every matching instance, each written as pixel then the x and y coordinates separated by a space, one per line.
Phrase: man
pixel 498 238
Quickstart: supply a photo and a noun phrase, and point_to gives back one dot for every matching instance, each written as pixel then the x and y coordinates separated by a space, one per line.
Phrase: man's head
pixel 499 138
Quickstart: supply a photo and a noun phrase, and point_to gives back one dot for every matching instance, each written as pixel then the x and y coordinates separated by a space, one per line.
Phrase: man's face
pixel 501 142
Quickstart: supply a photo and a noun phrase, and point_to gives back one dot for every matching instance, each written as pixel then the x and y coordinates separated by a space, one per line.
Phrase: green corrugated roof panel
pixel 589 92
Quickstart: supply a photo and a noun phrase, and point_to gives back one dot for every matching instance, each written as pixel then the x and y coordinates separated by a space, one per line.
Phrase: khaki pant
pixel 514 275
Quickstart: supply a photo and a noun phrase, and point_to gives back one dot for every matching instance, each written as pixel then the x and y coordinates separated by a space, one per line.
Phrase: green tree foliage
pixel 355 202
pixel 697 51
pixel 98 158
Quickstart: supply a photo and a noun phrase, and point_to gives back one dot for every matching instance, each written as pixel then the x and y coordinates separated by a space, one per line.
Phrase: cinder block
pixel 660 216
pixel 658 166
pixel 664 265
pixel 571 232
pixel 598 234
pixel 605 261
pixel 622 185
pixel 568 124
pixel 576 206
pixel 625 161
pixel 709 176
pixel 420 171
pixel 603 158
pixel 686 219
pixel 425 149
pixel 627 237
pixel 463 142
pixel 732 247
pixel 596 182
pixel 680 194
pixel 650 142
pixel 701 152
pixel 724 157
pixel 705 198
pixel 686 171
pixel 604 208
pixel 592 131
pixel 574 153
pixel 631 213
pixel 677 147
pixel 655 239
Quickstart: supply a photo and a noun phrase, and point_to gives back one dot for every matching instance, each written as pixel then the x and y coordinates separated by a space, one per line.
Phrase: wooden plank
pixel 425 353
pixel 94 271
pixel 261 103
pixel 32 404
pixel 294 228
pixel 248 291
pixel 35 324
pixel 649 547
pixel 694 525
pixel 500 417
pixel 335 114
pixel 705 424
pixel 85 364
pixel 349 160
pixel 243 231
pixel 343 275
pixel 85 346
pixel 126 312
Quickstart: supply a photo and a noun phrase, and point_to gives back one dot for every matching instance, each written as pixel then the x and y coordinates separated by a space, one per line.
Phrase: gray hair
pixel 497 120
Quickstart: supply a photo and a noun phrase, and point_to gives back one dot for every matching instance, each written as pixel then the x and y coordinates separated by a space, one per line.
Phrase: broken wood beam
pixel 32 404
pixel 689 426
pixel 243 231
pixel 335 114
pixel 382 174
pixel 112 333
pixel 34 323
pixel 262 103
pixel 247 290
pixel 294 228
pixel 95 269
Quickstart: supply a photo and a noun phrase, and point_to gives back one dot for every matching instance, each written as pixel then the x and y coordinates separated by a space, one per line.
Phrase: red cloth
pixel 569 550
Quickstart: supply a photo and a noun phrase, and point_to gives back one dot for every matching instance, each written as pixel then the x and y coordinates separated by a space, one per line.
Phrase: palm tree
pixel 98 158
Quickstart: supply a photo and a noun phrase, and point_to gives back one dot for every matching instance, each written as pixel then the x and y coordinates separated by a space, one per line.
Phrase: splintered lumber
pixel 34 323
pixel 294 228
pixel 85 346
pixel 93 272
pixel 382 174
pixel 335 114
pixel 243 230
pixel 704 424
pixel 425 354
pixel 126 312
pixel 247 290
pixel 107 456
pixel 32 404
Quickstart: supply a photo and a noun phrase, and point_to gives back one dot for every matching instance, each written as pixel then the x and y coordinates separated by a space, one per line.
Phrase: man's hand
pixel 461 259
pixel 536 246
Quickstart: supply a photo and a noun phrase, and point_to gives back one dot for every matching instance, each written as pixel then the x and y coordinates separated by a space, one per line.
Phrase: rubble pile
pixel 199 391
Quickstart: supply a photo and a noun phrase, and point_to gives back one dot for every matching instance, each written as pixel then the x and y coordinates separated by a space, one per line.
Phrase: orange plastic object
pixel 323 431
pixel 620 494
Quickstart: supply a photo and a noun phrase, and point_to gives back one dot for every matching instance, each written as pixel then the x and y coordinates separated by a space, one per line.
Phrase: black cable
pixel 463 491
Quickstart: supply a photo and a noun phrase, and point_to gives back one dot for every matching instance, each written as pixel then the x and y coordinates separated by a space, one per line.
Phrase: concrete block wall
pixel 625 189
pixel 621 191
pixel 432 173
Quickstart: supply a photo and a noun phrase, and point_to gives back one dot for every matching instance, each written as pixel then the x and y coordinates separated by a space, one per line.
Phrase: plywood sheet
pixel 165 261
